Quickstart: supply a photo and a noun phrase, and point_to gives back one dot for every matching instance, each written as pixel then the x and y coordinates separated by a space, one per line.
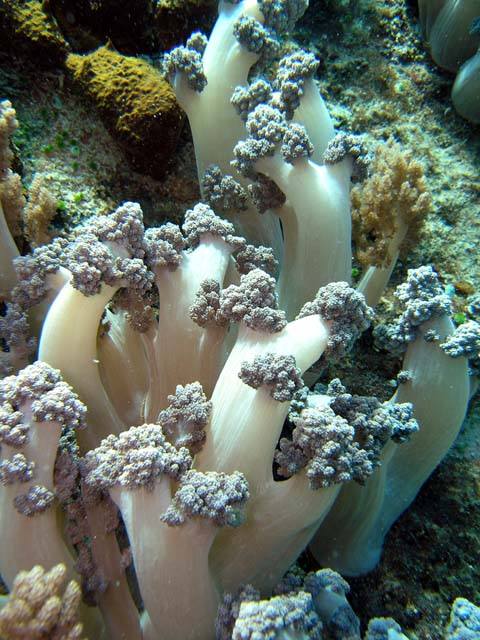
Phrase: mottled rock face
pixel 88 24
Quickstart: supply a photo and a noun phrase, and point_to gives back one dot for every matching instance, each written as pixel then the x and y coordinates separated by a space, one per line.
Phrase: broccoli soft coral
pixel 205 452
pixel 139 469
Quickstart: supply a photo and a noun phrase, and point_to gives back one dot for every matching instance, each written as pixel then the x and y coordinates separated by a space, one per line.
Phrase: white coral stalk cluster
pixel 204 461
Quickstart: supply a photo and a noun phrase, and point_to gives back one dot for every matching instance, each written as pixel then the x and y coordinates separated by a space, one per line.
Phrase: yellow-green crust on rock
pixel 136 102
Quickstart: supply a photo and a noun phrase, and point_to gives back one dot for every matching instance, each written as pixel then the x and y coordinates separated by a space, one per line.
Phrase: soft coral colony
pixel 185 524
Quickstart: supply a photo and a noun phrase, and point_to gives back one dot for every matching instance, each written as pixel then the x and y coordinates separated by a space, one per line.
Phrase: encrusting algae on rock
pixel 30 27
pixel 135 102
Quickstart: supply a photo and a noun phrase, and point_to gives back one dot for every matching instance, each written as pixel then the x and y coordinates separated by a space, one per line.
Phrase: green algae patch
pixel 136 103
pixel 27 25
